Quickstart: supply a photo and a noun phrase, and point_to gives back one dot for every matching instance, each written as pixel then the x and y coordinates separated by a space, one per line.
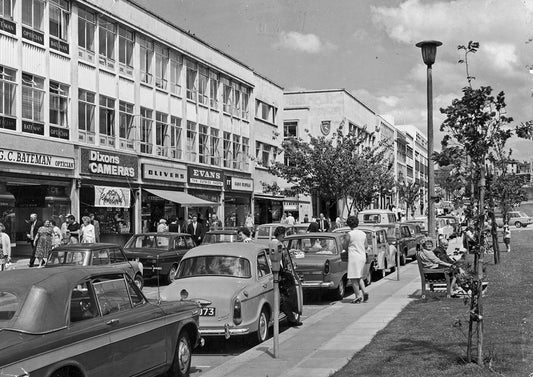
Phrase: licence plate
pixel 208 311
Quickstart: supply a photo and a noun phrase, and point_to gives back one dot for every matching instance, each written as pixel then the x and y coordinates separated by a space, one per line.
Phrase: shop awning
pixel 182 198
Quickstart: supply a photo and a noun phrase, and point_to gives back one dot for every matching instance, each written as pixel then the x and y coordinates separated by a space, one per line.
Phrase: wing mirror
pixel 344 256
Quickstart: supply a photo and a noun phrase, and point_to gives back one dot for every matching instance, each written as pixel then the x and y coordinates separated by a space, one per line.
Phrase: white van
pixel 377 216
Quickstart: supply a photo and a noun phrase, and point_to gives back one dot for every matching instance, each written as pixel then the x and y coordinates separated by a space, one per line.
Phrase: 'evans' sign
pixel 202 176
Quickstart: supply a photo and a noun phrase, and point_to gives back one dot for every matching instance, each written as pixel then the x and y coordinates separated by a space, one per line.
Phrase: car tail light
pixel 326 267
pixel 237 313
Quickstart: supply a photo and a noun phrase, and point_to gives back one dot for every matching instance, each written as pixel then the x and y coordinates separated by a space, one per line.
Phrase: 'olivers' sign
pixel 106 163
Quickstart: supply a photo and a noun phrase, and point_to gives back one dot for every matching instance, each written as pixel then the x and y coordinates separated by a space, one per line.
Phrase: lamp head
pixel 429 51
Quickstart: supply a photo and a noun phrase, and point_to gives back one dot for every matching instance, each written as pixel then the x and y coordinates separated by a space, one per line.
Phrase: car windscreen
pixel 263 232
pixel 371 218
pixel 313 245
pixel 218 238
pixel 148 242
pixel 217 265
pixel 66 257
pixel 9 304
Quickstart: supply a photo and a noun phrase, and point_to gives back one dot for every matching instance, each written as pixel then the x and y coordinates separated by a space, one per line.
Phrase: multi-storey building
pixel 109 109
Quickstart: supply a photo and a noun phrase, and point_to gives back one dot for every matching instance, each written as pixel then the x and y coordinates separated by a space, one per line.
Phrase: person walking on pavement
pixel 73 230
pixel 249 223
pixel 43 242
pixel 507 237
pixel 33 227
pixel 356 244
pixel 195 230
pixel 57 237
pixel 5 248
pixel 290 219
pixel 323 224
pixel 87 233
pixel 96 224
pixel 162 226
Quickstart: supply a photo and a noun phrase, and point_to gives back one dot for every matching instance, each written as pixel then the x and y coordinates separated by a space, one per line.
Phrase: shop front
pixel 206 184
pixel 107 189
pixel 237 200
pixel 267 208
pixel 32 181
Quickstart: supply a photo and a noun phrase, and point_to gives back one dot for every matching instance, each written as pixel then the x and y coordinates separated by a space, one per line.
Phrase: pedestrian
pixel 356 244
pixel 283 218
pixel 73 230
pixel 338 223
pixel 96 224
pixel 33 227
pixel 57 236
pixel 290 219
pixel 43 242
pixel 244 235
pixel 196 230
pixel 5 248
pixel 162 226
pixel 87 233
pixel 249 223
pixel 173 226
pixel 313 227
pixel 215 224
pixel 64 228
pixel 323 223
pixel 306 218
pixel 507 237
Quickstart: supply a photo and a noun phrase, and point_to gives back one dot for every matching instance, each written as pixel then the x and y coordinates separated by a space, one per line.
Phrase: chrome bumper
pixel 318 284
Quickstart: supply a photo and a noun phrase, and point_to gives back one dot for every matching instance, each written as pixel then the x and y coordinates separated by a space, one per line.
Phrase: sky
pixel 368 48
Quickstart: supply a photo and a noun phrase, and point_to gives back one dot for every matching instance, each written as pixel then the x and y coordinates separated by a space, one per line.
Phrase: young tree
pixel 408 193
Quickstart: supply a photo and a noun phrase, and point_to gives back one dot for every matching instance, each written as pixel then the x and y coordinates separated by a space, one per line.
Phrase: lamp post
pixel 429 52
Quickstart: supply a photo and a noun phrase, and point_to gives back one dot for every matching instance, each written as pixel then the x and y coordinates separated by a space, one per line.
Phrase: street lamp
pixel 429 52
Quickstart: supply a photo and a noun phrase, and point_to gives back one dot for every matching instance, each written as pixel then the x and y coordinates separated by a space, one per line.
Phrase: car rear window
pixel 218 265
pixel 263 232
pixel 67 257
pixel 217 238
pixel 9 304
pixel 312 245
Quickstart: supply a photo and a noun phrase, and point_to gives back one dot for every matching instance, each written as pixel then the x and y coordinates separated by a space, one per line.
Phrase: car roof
pixel 375 211
pixel 371 228
pixel 237 249
pixel 44 294
pixel 161 234
pixel 85 246
pixel 223 231
pixel 275 224
pixel 314 235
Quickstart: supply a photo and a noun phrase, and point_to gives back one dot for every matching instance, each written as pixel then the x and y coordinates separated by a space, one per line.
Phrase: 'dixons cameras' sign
pixel 104 163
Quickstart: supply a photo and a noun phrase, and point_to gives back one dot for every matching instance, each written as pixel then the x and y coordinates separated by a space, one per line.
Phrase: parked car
pixel 91 321
pixel 160 253
pixel 219 236
pixel 377 216
pixel 516 218
pixel 422 224
pixel 301 228
pixel 319 263
pixel 96 254
pixel 264 233
pixel 242 301
pixel 448 225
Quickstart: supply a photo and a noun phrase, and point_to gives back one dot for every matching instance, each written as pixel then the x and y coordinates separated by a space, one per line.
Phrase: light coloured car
pixel 516 218
pixel 234 283
pixel 377 217
pixel 264 233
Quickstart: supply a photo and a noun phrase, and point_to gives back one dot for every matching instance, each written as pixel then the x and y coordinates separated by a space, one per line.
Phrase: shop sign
pixel 8 26
pixel 8 123
pixel 239 184
pixel 60 133
pixel 33 35
pixel 59 45
pixel 290 206
pixel 32 128
pixel 208 177
pixel 105 163
pixel 164 173
pixel 35 159
pixel 116 197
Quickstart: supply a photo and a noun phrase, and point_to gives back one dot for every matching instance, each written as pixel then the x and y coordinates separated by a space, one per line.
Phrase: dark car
pixel 219 236
pixel 96 254
pixel 160 253
pixel 91 321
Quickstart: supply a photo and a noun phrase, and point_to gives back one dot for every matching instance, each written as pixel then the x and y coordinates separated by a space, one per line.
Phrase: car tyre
pixel 139 281
pixel 368 279
pixel 262 332
pixel 518 224
pixel 181 364
pixel 403 259
pixel 172 273
pixel 341 289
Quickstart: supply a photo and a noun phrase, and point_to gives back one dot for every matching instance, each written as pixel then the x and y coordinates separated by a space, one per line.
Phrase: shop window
pixel 176 150
pixel 227 150
pixel 125 126
pixel 59 99
pixel 176 65
pixel 203 80
pixel 146 54
pixel 86 107
pixel 146 131
pixel 32 97
pixel 6 9
pixel 191 73
pixel 107 33
pixel 107 121
pixel 215 148
pixel 213 89
pixel 236 152
pixel 8 89
pixel 161 63
pixel 191 141
pixel 59 11
pixel 203 144
pixel 126 41
pixel 161 134
pixel 86 29
pixel 33 14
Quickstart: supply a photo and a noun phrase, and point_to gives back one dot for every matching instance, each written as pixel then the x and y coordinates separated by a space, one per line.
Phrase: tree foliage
pixel 408 193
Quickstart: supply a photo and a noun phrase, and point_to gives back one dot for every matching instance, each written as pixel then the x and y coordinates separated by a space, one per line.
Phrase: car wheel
pixel 66 372
pixel 403 259
pixel 262 326
pixel 368 279
pixel 518 224
pixel 181 364
pixel 139 281
pixel 341 290
pixel 172 273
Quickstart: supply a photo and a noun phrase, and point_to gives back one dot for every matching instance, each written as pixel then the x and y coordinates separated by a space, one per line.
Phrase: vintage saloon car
pixel 159 253
pixel 318 261
pixel 264 233
pixel 221 235
pixel 93 254
pixel 234 284
pixel 90 321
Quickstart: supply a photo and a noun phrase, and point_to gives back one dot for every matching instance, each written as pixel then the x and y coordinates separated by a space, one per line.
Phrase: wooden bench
pixel 431 276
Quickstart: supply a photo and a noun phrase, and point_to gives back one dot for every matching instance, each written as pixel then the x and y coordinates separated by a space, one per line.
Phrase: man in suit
pixel 323 224
pixel 33 226
pixel 196 230
pixel 96 224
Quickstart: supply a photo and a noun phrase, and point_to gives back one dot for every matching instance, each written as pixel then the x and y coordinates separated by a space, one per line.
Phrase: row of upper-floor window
pixel 158 133
pixel 159 65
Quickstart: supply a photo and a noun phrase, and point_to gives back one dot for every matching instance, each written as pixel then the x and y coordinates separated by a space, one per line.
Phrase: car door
pixel 118 258
pixel 298 298
pixel 264 288
pixel 382 248
pixel 136 328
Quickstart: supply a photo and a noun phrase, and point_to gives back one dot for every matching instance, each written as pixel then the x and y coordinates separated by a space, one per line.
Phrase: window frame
pixel 63 7
pixel 176 67
pixel 145 137
pixel 161 133
pixel 203 144
pixel 126 128
pixel 126 45
pixel 215 147
pixel 32 23
pixel 83 19
pixel 108 31
pixel 146 56
pixel 89 112
pixel 191 141
pixel 8 80
pixel 10 8
pixel 175 132
pixel 161 66
pixel 36 87
pixel 64 100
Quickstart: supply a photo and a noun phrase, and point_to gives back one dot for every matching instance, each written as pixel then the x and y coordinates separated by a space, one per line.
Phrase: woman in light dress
pixel 5 248
pixel 87 233
pixel 356 244
pixel 57 236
